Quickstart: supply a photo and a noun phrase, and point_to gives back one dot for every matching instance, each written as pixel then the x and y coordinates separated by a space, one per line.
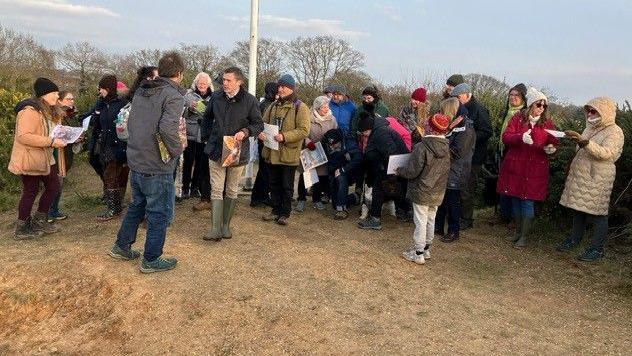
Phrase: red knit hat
pixel 439 123
pixel 419 94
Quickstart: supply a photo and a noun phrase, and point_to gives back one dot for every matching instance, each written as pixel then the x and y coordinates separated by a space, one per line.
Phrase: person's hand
pixel 573 135
pixel 550 149
pixel 81 139
pixel 59 143
pixel 262 136
pixel 526 137
pixel 193 104
pixel 311 146
pixel 337 173
pixel 279 137
pixel 397 171
pixel 240 136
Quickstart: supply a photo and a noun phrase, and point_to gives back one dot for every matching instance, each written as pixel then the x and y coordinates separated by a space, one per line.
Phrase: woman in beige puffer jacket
pixel 591 175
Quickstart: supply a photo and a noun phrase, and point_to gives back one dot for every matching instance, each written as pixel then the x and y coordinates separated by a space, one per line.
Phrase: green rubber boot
pixel 216 230
pixel 229 210
pixel 516 235
pixel 524 232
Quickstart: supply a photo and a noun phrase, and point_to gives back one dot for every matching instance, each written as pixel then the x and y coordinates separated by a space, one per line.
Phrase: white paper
pixel 555 133
pixel 254 150
pixel 310 178
pixel 86 123
pixel 271 131
pixel 312 159
pixel 397 161
pixel 68 134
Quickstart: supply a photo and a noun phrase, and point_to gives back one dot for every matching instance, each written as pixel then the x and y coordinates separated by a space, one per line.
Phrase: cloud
pixel 390 11
pixel 312 26
pixel 60 7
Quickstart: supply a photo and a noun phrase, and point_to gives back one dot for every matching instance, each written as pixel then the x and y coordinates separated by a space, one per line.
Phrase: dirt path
pixel 316 286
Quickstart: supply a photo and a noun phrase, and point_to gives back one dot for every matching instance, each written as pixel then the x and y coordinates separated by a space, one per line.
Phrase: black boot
pixel 113 203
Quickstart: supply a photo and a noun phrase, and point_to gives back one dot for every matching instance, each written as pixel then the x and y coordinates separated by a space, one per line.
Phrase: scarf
pixel 511 111
pixel 321 119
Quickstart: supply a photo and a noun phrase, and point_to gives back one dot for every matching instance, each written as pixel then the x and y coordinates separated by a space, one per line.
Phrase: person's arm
pixel 610 149
pixel 27 122
pixel 354 162
pixel 170 123
pixel 207 120
pixel 416 163
pixel 255 121
pixel 512 135
pixel 302 126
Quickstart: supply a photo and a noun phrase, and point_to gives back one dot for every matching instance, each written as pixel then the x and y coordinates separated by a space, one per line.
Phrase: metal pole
pixel 252 78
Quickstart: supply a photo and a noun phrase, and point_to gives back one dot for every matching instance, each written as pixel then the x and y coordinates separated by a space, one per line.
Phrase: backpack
pixel 121 122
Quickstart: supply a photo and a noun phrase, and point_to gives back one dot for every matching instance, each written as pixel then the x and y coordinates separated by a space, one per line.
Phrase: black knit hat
pixel 371 90
pixel 333 136
pixel 44 86
pixel 455 79
pixel 522 89
pixel 366 121
pixel 108 82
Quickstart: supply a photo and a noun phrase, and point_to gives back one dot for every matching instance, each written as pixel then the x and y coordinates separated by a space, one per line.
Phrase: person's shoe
pixel 325 200
pixel 24 230
pixel 195 193
pixel 185 195
pixel 229 211
pixel 568 245
pixel 158 265
pixel 370 223
pixel 119 253
pixel 319 205
pixel 341 215
pixel 39 224
pixel 516 234
pixel 202 205
pixel 282 220
pixel 56 217
pixel 439 233
pixel 466 224
pixel 450 237
pixel 108 215
pixel 405 216
pixel 591 255
pixel 300 206
pixel 364 212
pixel 216 220
pixel 413 256
pixel 427 252
pixel 389 208
pixel 270 217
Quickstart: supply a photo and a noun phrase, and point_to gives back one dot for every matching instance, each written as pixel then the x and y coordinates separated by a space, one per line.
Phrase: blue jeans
pixel 152 197
pixel 600 228
pixel 522 208
pixel 339 188
pixel 450 207
pixel 506 207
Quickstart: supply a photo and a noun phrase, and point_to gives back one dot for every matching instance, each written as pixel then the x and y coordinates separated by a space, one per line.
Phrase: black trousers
pixel 379 197
pixel 281 188
pixel 261 188
pixel 195 170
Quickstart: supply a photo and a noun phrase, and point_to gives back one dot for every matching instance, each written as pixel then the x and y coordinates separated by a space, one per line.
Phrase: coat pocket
pixel 289 152
pixel 35 161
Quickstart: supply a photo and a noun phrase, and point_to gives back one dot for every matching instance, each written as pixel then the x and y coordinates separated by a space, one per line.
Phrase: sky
pixel 574 49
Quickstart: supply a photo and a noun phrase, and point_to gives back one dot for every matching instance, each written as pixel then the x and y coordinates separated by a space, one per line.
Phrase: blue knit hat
pixel 287 80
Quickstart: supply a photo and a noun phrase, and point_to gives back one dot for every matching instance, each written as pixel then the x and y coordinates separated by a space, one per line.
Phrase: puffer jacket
pixel 427 171
pixel 462 141
pixel 592 171
pixel 294 119
pixel 192 116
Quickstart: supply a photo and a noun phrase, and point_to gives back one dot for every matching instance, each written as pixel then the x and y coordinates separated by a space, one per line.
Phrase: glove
pixel 526 138
pixel 577 137
pixel 550 149
pixel 311 146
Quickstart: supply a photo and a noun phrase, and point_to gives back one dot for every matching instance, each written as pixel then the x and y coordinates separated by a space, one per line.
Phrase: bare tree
pixel 200 58
pixel 269 61
pixel 85 61
pixel 314 59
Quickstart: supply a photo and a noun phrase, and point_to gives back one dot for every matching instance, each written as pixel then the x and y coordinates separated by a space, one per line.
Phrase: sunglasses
pixel 541 105
pixel 591 111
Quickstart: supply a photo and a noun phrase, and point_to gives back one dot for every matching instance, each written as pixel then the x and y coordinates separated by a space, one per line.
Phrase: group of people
pixel 447 143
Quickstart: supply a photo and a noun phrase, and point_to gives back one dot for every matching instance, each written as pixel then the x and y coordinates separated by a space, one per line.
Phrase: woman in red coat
pixel 524 173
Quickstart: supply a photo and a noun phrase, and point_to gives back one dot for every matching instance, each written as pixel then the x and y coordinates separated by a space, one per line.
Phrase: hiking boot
pixel 202 205
pixel 413 256
pixel 282 220
pixel 125 255
pixel 568 245
pixel 39 224
pixel 56 217
pixel 591 255
pixel 216 221
pixel 466 224
pixel 229 211
pixel 319 205
pixel 113 203
pixel 300 206
pixel 24 230
pixel 450 237
pixel 158 265
pixel 341 215
pixel 370 223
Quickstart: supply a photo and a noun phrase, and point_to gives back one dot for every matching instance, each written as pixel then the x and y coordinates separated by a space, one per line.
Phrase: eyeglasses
pixel 541 105
pixel 591 111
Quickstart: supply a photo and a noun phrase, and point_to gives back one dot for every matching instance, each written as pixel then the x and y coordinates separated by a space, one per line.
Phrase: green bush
pixel 9 183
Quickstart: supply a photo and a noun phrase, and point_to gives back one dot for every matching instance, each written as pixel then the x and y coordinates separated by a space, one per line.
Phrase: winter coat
pixel 158 106
pixel 226 116
pixel 592 171
pixel 347 158
pixel 381 110
pixel 427 171
pixel 408 118
pixel 344 114
pixel 112 148
pixel 294 117
pixel 192 116
pixel 317 129
pixel 462 142
pixel 524 172
pixel 483 128
pixel 32 152
pixel 383 142
pixel 402 131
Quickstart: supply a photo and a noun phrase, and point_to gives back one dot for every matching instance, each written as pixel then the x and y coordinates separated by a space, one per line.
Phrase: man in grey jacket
pixel 154 117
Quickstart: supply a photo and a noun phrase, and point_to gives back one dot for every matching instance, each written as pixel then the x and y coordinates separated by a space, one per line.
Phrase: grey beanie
pixel 461 89
pixel 319 102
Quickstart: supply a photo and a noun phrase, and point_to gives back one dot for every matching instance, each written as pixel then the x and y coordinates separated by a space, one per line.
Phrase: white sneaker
pixel 365 212
pixel 427 254
pixel 412 256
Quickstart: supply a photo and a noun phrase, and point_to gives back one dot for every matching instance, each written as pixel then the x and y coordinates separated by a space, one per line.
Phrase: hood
pixel 607 109
pixel 438 146
pixel 24 103
pixel 151 87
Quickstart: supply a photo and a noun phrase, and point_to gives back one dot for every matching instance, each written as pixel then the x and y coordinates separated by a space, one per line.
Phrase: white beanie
pixel 534 95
